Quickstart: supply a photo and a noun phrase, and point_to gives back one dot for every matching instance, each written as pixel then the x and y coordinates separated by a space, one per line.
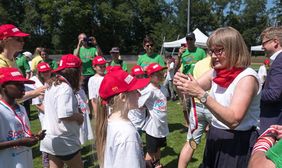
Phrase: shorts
pixel 153 143
pixel 204 118
pixel 67 157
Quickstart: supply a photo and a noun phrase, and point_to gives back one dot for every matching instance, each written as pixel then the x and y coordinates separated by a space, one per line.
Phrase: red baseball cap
pixel 137 70
pixel 68 61
pixel 120 81
pixel 12 74
pixel 113 68
pixel 9 30
pixel 154 67
pixel 98 60
pixel 43 67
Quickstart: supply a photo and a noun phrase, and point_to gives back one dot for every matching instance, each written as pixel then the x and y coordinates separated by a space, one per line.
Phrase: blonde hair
pixel 115 103
pixel 273 33
pixel 234 46
pixel 37 51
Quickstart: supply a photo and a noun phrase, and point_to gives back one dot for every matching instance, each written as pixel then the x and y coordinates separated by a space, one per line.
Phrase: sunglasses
pixel 189 39
pixel 149 45
pixel 217 51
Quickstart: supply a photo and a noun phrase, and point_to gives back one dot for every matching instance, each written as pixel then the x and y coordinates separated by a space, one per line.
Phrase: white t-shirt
pixel 94 86
pixel 11 128
pixel 224 97
pixel 123 146
pixel 85 130
pixel 39 99
pixel 155 100
pixel 62 137
pixel 137 117
pixel 170 71
pixel 262 72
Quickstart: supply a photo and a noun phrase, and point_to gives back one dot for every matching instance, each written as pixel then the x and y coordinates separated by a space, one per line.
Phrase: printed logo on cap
pixel 42 66
pixel 128 79
pixel 114 89
pixel 15 30
pixel 15 73
pixel 155 66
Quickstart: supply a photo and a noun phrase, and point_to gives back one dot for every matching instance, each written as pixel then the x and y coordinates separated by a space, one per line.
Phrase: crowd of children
pixel 124 105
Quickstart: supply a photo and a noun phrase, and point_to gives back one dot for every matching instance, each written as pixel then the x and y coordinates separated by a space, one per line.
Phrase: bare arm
pixel 95 107
pixel 33 93
pixel 77 117
pixel 40 107
pixel 27 141
pixel 259 160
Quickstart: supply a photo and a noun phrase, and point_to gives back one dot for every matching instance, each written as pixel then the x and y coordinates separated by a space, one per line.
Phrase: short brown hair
pixel 273 33
pixel 234 46
pixel 148 39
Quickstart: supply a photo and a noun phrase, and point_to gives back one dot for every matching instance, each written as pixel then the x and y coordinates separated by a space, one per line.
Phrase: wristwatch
pixel 204 98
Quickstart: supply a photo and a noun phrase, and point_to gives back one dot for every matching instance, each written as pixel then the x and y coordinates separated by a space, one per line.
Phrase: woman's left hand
pixel 187 84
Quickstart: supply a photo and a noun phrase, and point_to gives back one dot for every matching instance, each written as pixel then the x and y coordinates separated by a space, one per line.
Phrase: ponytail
pixel 101 130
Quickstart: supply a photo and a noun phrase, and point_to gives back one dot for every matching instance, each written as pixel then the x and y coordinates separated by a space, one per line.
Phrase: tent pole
pixel 174 47
pixel 162 46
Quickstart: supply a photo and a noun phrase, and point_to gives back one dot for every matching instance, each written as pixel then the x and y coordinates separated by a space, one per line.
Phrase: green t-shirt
pixel 52 63
pixel 275 154
pixel 145 60
pixel 189 58
pixel 86 55
pixel 120 63
pixel 22 64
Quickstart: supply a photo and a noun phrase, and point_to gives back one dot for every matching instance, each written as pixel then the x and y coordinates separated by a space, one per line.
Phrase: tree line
pixel 56 24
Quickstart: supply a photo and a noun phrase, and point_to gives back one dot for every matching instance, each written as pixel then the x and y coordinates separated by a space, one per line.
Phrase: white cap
pixel 28 54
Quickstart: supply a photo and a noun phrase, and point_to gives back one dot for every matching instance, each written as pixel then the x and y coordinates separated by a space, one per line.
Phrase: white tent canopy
pixel 257 48
pixel 201 40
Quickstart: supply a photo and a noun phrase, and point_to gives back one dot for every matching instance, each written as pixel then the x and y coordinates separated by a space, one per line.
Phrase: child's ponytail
pixel 101 130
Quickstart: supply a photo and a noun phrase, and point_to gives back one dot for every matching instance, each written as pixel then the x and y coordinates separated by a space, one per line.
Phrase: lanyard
pixel 195 115
pixel 24 126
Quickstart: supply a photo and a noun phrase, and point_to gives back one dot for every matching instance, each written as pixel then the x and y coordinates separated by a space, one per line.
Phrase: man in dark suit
pixel 271 96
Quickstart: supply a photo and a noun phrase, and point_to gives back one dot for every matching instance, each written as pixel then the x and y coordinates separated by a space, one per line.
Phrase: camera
pixel 89 41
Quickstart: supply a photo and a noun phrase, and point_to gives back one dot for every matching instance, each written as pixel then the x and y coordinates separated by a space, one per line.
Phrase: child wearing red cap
pixel 99 65
pixel 11 42
pixel 43 75
pixel 63 118
pixel 137 116
pixel 117 141
pixel 156 126
pixel 15 134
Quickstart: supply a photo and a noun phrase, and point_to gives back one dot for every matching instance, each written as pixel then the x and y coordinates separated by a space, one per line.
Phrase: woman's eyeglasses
pixel 216 51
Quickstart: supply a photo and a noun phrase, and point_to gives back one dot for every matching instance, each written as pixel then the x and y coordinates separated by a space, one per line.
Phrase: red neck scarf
pixel 225 77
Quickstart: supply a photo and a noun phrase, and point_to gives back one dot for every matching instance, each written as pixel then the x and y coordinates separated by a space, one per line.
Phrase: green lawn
pixel 175 140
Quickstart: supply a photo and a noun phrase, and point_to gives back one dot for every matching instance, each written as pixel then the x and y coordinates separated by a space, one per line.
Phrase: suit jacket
pixel 271 95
